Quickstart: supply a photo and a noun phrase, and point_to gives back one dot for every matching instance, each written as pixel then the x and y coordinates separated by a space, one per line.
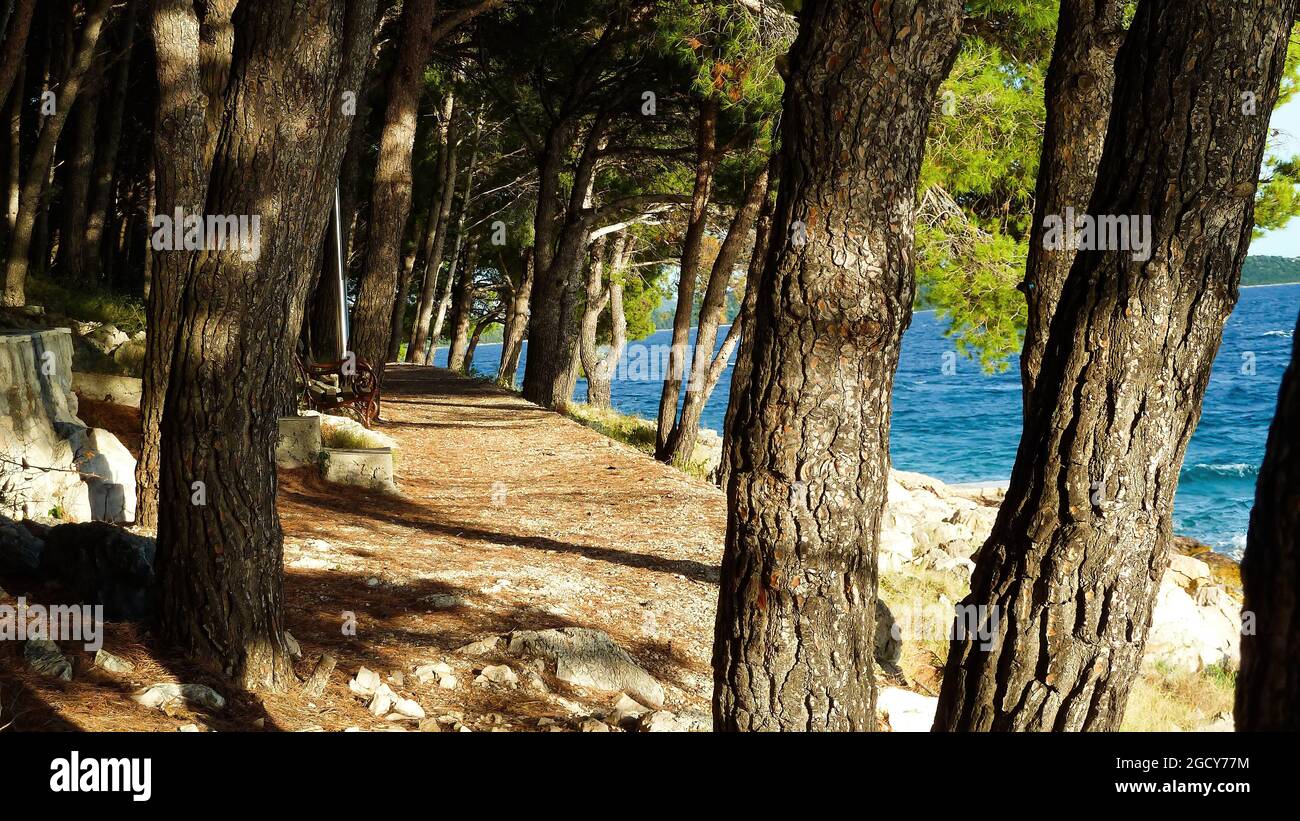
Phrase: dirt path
pixel 511 517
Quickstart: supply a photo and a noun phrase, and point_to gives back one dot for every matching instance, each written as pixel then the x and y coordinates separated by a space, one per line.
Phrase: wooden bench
pixel 350 384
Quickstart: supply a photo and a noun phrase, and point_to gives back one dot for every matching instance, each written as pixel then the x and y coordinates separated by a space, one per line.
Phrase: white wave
pixel 1234 547
pixel 1239 469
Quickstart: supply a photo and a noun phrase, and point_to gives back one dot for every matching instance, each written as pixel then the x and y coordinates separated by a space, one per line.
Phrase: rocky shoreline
pixel 932 528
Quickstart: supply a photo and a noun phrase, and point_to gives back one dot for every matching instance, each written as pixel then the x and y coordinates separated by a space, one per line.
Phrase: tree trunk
pixel 479 327
pixel 13 183
pixel 76 190
pixel 41 242
pixel 350 173
pixel 390 201
pixel 434 333
pixel 219 538
pixel 434 226
pixel 516 325
pixel 1064 587
pixel 462 304
pixel 550 372
pixel 1080 82
pixel 426 352
pixel 397 328
pixel 599 295
pixel 101 196
pixel 796 608
pixel 600 370
pixel 569 378
pixel 743 326
pixel 429 347
pixel 692 247
pixel 706 368
pixel 600 377
pixel 145 203
pixel 29 200
pixel 15 46
pixel 1268 686
pixel 420 332
pixel 324 328
pixel 425 239
pixel 192 58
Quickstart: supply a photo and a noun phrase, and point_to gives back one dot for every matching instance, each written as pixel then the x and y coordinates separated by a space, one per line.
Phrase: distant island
pixel 1270 271
pixel 1258 270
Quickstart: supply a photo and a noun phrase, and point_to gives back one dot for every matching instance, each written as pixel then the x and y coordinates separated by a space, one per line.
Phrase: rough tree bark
pixel 1080 81
pixel 743 325
pixel 324 326
pixel 1268 686
pixel 390 201
pixel 350 175
pixel 796 608
pixel 278 153
pixel 706 368
pixel 1066 583
pixel 192 59
pixel 54 61
pixel 706 157
pixel 29 199
pixel 574 370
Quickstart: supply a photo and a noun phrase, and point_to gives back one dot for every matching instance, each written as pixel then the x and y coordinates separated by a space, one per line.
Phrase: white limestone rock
pixel 112 490
pixel 906 712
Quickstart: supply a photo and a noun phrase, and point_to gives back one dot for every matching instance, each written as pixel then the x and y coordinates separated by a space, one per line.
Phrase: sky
pixel 1284 242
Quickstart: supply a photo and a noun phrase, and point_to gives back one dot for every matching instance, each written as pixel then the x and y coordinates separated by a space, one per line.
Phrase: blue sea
pixel 965 426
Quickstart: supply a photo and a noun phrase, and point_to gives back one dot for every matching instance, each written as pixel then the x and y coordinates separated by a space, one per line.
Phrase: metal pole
pixel 341 278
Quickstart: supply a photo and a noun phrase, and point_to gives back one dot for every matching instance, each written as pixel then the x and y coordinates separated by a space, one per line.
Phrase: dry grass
pixel 1164 700
pixel 630 430
pixel 911 589
pixel 345 432
pixel 87 303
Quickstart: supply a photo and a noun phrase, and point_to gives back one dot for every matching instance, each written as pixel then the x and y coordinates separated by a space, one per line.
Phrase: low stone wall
pixel 370 468
pixel 40 434
pixel 299 444
pixel 51 464
pixel 308 440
